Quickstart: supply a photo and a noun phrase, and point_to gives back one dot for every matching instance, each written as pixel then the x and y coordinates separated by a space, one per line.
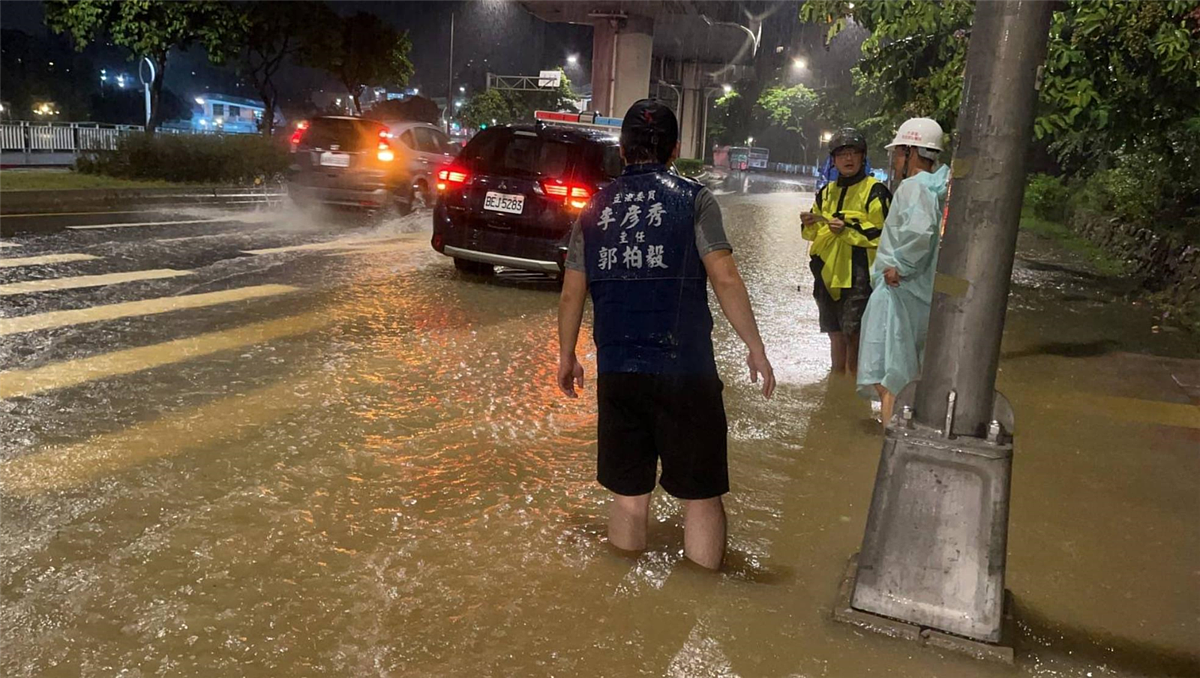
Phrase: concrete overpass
pixel 689 47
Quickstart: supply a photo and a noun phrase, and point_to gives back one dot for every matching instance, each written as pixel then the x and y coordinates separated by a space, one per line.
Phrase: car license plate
pixel 330 159
pixel 504 202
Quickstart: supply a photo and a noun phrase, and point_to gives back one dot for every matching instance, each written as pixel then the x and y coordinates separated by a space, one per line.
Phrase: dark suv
pixel 513 193
pixel 349 162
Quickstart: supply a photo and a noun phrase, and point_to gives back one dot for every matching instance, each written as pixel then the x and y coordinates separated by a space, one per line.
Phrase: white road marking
pixel 75 282
pixel 17 383
pixel 341 244
pixel 5 262
pixel 53 319
pixel 92 227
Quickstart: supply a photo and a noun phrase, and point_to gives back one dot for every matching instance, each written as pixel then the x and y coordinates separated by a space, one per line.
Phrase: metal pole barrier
pixel 935 546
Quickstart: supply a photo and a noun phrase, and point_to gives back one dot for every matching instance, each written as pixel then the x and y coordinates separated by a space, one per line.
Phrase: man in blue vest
pixel 645 247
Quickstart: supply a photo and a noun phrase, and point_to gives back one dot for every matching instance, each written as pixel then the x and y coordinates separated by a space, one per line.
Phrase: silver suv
pixel 429 149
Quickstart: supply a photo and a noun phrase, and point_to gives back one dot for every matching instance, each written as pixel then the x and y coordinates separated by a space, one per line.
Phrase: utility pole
pixel 450 77
pixel 935 546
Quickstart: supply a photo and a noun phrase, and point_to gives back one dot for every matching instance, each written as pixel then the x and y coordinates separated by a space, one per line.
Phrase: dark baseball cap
pixel 650 124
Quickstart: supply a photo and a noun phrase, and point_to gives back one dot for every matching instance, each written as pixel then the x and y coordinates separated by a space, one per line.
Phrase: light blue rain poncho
pixel 897 318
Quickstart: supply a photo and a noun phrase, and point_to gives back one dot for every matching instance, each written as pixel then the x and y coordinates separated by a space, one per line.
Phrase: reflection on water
pixel 420 502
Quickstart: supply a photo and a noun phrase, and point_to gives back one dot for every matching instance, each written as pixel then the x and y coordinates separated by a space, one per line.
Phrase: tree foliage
pixel 365 51
pixel 506 107
pixel 1120 76
pixel 788 107
pixel 420 109
pixel 148 28
pixel 274 33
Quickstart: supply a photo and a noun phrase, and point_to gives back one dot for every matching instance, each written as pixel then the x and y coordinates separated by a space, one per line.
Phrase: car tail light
pixel 575 196
pixel 385 153
pixel 301 128
pixel 451 175
pixel 580 196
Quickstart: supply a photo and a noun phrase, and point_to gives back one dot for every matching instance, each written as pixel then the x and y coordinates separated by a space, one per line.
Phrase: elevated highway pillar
pixel 621 49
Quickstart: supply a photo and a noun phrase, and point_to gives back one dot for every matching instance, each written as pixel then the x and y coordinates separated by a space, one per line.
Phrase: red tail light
pixel 301 128
pixel 451 175
pixel 575 196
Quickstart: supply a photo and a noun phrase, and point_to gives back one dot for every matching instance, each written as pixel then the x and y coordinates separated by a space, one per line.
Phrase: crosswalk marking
pixel 390 247
pixel 341 244
pixel 6 262
pixel 90 227
pixel 45 321
pixel 74 282
pixel 18 383
pixel 68 466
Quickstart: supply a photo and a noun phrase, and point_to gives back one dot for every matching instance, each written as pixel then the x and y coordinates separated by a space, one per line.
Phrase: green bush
pixel 1047 196
pixel 689 167
pixel 232 158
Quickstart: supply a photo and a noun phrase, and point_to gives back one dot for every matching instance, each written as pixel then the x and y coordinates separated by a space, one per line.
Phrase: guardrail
pixel 63 137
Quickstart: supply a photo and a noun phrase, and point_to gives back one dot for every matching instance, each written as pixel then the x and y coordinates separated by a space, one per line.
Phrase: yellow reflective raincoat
pixel 862 202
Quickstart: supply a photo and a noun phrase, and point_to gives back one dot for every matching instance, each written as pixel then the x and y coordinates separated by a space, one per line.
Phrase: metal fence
pixel 68 137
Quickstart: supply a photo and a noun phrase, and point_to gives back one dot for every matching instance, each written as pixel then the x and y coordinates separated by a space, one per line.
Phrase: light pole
pixel 450 75
pixel 726 88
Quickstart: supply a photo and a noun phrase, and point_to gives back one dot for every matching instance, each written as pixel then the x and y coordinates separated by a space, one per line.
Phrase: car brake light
pixel 574 196
pixel 451 175
pixel 579 197
pixel 301 128
pixel 385 153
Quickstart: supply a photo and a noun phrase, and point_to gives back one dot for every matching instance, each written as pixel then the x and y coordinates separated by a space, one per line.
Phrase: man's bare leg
pixel 837 352
pixel 704 531
pixel 887 401
pixel 627 519
pixel 852 353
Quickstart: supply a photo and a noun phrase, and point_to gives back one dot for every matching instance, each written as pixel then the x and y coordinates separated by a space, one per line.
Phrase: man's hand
pixel 836 226
pixel 570 374
pixel 758 363
pixel 808 218
pixel 892 277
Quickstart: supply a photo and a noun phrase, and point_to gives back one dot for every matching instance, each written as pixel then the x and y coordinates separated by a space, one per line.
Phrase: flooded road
pixel 268 445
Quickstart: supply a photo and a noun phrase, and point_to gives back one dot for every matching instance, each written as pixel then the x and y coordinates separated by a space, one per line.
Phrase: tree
pixel 367 51
pixel 1120 76
pixel 788 107
pixel 276 32
pixel 505 106
pixel 490 107
pixel 418 109
pixel 148 28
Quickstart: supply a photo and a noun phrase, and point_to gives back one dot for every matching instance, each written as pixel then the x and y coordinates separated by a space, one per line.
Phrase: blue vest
pixel 648 285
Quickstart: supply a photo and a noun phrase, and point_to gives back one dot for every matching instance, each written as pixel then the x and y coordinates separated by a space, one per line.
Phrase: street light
pixel 749 141
pixel 728 88
pixel 799 64
pixel 200 100
pixel 462 89
pixel 573 59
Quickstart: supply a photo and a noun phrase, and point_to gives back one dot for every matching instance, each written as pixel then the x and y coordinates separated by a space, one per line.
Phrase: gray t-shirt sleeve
pixel 575 249
pixel 710 229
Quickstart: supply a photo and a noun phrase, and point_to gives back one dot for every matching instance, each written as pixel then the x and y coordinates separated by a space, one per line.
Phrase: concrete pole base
pixel 1001 652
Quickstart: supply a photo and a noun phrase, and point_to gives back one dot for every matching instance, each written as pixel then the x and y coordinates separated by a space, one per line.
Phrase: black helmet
pixel 848 136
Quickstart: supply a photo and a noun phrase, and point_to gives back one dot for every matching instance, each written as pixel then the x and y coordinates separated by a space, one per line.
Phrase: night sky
pixel 490 35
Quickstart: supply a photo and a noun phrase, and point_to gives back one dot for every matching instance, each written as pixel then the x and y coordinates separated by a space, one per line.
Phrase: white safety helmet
pixel 919 133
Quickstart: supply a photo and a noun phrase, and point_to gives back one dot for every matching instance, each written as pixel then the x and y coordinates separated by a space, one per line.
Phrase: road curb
pixel 103 199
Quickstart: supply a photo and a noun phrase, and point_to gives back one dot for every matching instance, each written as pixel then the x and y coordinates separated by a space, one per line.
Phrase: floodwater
pixel 371 473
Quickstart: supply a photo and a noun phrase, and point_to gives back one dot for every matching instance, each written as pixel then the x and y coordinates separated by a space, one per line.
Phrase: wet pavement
pixel 273 444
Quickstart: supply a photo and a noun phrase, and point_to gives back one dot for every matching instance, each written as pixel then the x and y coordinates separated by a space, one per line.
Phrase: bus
pixel 747 158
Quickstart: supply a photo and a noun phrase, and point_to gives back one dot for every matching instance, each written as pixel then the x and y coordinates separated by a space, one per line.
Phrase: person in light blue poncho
pixel 897 316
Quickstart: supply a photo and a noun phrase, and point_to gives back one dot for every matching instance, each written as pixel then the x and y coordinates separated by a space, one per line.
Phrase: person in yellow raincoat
pixel 897 317
pixel 844 227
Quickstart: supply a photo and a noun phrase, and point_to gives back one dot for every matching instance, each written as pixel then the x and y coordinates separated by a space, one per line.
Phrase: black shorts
pixel 679 419
pixel 845 313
